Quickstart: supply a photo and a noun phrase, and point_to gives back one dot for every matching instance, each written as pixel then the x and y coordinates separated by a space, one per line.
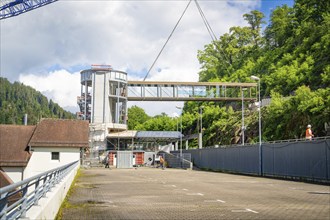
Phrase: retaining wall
pixel 48 206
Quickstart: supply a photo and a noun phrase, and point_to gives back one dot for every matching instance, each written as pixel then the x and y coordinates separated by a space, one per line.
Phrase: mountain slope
pixel 17 99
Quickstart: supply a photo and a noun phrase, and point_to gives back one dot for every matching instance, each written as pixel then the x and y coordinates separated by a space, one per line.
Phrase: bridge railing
pixel 18 197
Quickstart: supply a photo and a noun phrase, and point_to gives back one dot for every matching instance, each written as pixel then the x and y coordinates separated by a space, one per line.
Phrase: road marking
pixel 195 194
pixel 218 200
pixel 184 189
pixel 250 210
pixel 174 185
pixel 244 210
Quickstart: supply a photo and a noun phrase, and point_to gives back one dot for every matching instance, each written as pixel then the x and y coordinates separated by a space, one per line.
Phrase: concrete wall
pixel 48 206
pixel 15 173
pixel 41 161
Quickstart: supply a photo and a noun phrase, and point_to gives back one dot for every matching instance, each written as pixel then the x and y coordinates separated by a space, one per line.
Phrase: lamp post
pixel 243 127
pixel 177 129
pixel 259 105
pixel 200 139
pixel 180 132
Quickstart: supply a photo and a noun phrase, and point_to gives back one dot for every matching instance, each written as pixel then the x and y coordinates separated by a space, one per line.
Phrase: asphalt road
pixel 152 193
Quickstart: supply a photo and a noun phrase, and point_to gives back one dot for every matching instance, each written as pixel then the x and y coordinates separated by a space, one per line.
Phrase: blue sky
pixel 268 5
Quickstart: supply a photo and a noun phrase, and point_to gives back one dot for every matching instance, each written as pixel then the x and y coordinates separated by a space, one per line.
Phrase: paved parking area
pixel 151 193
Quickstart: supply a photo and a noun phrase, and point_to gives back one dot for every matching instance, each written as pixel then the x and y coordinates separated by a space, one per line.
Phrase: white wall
pixel 41 161
pixel 15 173
pixel 48 206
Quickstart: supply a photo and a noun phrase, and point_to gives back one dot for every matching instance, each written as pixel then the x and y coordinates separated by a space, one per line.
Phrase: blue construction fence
pixel 301 160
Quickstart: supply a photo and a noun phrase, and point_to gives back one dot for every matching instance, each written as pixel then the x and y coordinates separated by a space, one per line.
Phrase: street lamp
pixel 259 105
pixel 180 132
pixel 177 128
pixel 200 135
pixel 243 127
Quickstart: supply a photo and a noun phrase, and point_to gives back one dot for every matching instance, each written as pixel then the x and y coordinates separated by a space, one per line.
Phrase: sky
pixel 48 47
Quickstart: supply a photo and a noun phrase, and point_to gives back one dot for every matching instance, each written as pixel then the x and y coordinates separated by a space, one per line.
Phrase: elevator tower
pixel 103 102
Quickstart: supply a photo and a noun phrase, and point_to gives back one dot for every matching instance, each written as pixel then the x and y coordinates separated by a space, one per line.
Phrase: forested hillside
pixel 17 99
pixel 291 56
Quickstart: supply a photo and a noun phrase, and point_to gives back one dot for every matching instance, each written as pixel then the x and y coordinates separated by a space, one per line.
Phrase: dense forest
pixel 291 58
pixel 16 100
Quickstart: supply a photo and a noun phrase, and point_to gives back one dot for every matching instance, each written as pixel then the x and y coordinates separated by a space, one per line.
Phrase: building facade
pixel 26 151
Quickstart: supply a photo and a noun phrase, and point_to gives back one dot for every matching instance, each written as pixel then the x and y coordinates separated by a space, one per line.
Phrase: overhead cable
pixel 211 33
pixel 167 40
pixel 207 25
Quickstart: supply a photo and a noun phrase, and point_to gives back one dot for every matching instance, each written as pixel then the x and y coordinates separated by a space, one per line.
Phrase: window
pixel 55 155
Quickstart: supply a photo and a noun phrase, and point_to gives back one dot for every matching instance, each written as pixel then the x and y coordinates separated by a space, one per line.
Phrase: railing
pixel 270 142
pixel 175 161
pixel 18 197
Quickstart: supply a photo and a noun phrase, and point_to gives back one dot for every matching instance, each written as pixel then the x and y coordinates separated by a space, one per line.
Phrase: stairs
pixel 174 161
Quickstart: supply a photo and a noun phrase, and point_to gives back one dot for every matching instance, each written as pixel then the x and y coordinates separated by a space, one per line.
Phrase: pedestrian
pixel 107 161
pixel 162 162
pixel 309 133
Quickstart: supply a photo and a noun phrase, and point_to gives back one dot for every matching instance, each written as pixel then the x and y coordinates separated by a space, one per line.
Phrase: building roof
pixel 123 134
pixel 61 133
pixel 158 135
pixel 147 135
pixel 13 144
pixel 4 179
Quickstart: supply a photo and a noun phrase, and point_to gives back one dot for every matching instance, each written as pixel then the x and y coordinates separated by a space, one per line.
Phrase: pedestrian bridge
pixel 190 91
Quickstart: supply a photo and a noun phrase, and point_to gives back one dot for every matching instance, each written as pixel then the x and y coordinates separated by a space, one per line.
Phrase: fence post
pixel 36 193
pixel 3 206
pixel 25 198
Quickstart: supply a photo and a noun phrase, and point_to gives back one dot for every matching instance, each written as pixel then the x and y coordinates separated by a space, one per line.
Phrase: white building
pixel 26 151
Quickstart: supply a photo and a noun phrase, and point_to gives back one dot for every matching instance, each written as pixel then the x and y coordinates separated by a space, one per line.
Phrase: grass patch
pixel 66 204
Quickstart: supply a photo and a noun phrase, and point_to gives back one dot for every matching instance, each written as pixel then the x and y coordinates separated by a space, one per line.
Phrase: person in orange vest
pixel 309 133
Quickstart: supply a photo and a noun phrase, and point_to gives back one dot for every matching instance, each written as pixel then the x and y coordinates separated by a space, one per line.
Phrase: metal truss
pixel 15 7
pixel 190 91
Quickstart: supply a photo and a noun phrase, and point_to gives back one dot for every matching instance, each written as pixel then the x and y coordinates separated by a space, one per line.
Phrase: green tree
pixel 136 116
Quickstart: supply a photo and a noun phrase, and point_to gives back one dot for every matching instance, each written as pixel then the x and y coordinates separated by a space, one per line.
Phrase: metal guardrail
pixel 270 142
pixel 18 197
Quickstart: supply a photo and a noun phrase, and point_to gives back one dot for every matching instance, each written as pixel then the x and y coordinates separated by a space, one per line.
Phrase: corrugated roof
pixel 14 140
pixel 61 133
pixel 147 135
pixel 157 135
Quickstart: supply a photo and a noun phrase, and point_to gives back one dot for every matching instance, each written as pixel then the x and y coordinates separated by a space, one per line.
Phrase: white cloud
pixel 60 86
pixel 126 34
